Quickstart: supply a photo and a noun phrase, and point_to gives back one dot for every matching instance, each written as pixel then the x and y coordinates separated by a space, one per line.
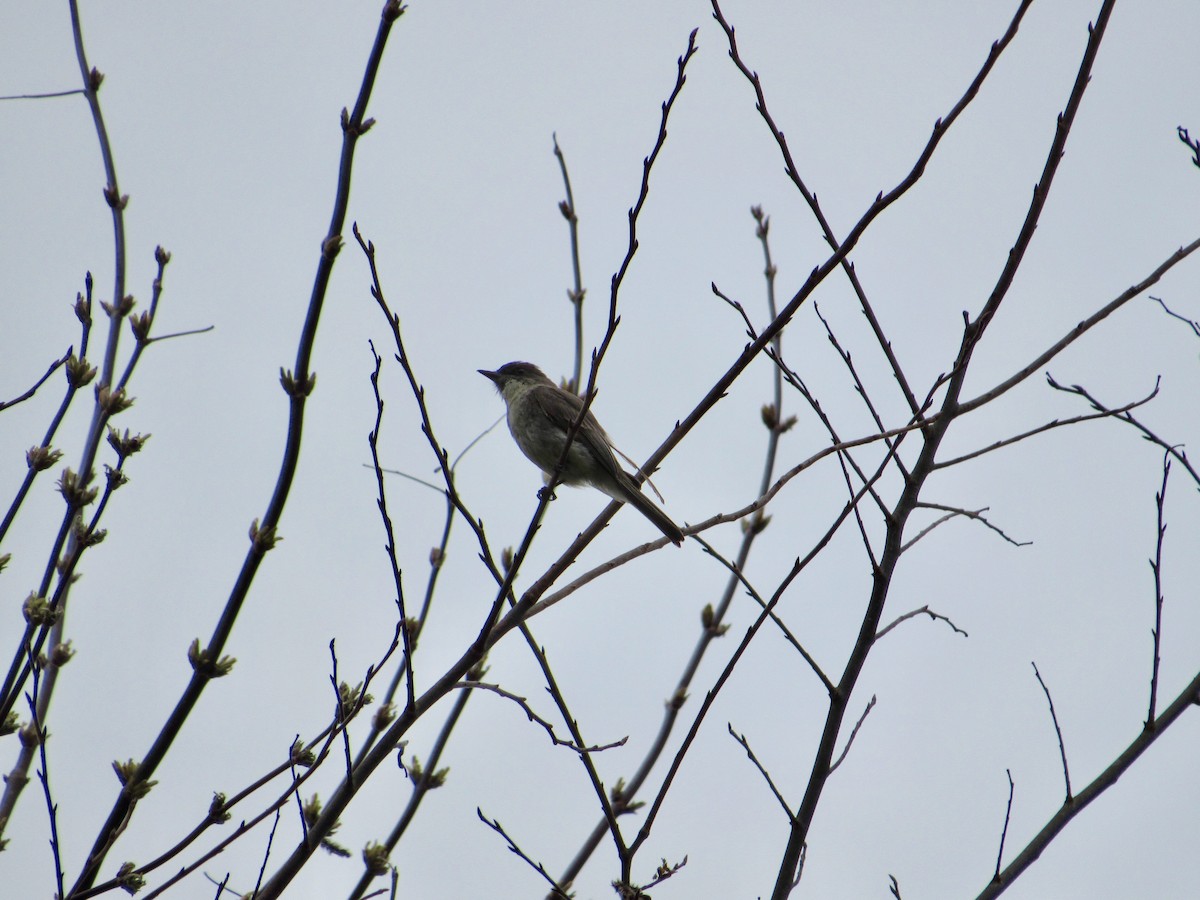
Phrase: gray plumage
pixel 540 414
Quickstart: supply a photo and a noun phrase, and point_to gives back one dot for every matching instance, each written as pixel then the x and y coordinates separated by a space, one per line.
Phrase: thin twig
pixel 913 613
pixel 576 294
pixel 1007 819
pixel 1052 424
pixel 54 366
pixel 1183 702
pixel 608 805
pixel 40 734
pixel 661 874
pixel 534 717
pixel 178 334
pixel 262 869
pixel 1062 749
pixel 741 739
pixel 390 547
pixel 1156 568
pixel 339 712
pixel 46 96
pixel 1082 328
pixel 853 734
pixel 555 889
pixel 859 387
pixel 758 598
pixel 1174 450
pixel 399 474
pixel 1191 323
pixel 475 440
pixel 952 512
pixel 751 332
pixel 845 459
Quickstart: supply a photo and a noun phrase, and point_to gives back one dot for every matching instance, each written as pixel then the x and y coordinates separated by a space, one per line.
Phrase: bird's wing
pixel 554 411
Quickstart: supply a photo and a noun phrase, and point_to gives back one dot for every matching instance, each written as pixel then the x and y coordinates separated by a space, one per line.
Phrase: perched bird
pixel 540 414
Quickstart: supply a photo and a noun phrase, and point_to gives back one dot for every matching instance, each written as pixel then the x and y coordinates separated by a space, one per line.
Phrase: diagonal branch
pixel 1003 879
pixel 741 739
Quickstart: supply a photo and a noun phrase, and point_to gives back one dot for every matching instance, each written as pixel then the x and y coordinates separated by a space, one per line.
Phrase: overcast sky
pixel 224 124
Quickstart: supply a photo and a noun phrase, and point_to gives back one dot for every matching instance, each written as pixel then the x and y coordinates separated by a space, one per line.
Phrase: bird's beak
pixel 494 376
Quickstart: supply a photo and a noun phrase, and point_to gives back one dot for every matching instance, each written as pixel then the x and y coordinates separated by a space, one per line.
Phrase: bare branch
pixel 1062 750
pixel 556 890
pixel 1156 568
pixel 751 332
pixel 1052 424
pixel 534 717
pixel 54 366
pixel 1191 323
pixel 757 597
pixel 1174 450
pixel 1184 701
pixel 956 511
pixel 39 734
pixel 853 734
pixel 638 892
pixel 390 547
pixel 178 334
pixel 46 96
pixel 298 383
pixel 576 294
pixel 1007 819
pixel 741 739
pixel 925 611
pixel 1083 327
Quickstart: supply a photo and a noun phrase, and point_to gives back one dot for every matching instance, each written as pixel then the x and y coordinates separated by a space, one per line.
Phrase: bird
pixel 540 415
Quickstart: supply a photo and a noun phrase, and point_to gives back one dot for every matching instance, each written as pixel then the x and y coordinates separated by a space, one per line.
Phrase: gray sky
pixel 224 123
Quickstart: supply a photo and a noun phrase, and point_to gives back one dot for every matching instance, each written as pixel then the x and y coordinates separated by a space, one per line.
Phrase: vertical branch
pixel 714 614
pixel 106 404
pixel 381 503
pixel 39 735
pixel 92 79
pixel 298 384
pixel 423 785
pixel 1062 748
pixel 631 249
pixel 1156 568
pixel 774 419
pixel 576 294
pixel 1041 191
pixel 1007 819
pixel 933 437
pixel 79 373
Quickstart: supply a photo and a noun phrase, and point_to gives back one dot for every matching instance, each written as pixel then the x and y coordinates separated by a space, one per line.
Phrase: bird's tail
pixel 643 504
